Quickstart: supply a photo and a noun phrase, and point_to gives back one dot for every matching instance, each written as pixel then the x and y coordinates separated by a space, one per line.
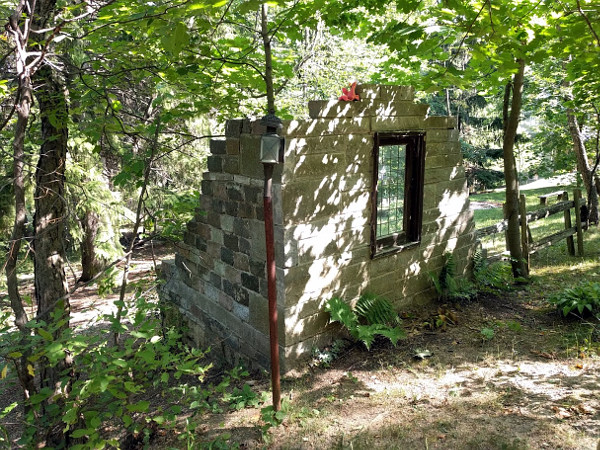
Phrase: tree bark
pixel 23 109
pixel 91 266
pixel 24 101
pixel 511 207
pixel 583 166
pixel 50 232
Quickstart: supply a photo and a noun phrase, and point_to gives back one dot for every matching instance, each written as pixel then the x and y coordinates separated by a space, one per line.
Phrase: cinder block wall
pixel 322 219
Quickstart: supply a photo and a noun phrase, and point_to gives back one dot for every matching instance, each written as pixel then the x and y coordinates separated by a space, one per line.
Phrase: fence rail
pixel 528 245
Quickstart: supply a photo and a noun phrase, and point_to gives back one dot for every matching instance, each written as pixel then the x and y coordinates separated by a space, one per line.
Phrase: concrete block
pixel 302 329
pixel 325 127
pixel 306 200
pixel 318 145
pixel 214 163
pixel 318 166
pixel 397 93
pixel 442 148
pixel 338 109
pixel 216 176
pixel 409 123
pixel 231 164
pixel 227 223
pixel 443 122
pixel 259 316
pixel 233 128
pixel 447 160
pixel 217 146
pixel 250 155
pixel 368 91
pixel 443 174
pixel 391 109
pixel 437 135
pixel 232 146
pixel 241 312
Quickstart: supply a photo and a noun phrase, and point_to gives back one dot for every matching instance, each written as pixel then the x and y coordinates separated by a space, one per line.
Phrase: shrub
pixel 580 301
pixel 110 384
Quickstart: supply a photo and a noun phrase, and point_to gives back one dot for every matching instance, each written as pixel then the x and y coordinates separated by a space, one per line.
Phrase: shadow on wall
pixel 327 221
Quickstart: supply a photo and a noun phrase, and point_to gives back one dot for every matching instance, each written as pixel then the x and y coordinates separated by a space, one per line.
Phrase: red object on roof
pixel 349 94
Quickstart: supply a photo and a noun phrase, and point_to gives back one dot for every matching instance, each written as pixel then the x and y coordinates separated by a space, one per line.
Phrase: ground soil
pixel 530 380
pixel 533 384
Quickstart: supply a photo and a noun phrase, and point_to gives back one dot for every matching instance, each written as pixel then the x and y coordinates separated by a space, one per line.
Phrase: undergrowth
pixel 372 316
pixel 581 301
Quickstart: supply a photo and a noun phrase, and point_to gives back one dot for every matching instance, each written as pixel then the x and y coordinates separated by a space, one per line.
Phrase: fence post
pixel 524 235
pixel 577 201
pixel 568 226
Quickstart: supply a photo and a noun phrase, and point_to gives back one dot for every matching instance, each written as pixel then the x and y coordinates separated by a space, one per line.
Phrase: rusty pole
pixel 268 207
pixel 272 286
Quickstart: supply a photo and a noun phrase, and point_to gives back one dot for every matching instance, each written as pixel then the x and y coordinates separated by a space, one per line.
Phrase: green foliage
pixel 113 382
pixel 245 398
pixel 173 212
pixel 580 301
pixel 374 309
pixel 363 321
pixel 5 442
pixel 448 286
pixel 324 357
pixel 272 418
pixel 487 333
pixel 490 277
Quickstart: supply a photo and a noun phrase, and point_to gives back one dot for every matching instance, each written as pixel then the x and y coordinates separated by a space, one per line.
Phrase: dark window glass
pixel 397 197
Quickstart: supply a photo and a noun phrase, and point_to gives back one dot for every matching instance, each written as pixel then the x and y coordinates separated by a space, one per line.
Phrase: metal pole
pixel 272 287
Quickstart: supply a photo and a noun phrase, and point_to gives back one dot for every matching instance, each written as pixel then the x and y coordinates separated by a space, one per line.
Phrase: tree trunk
pixel 50 233
pixel 24 101
pixel 511 207
pixel 90 264
pixel 23 110
pixel 583 166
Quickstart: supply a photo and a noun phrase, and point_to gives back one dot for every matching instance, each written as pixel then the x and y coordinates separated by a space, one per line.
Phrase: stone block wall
pixel 322 214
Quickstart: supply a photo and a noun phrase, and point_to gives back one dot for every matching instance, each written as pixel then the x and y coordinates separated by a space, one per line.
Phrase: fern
pixel 448 286
pixel 490 277
pixel 374 309
pixel 378 314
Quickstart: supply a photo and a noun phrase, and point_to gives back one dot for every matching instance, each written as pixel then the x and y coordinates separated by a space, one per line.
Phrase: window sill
pixel 391 250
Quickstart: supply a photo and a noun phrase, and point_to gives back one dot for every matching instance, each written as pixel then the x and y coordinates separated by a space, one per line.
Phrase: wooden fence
pixel 528 245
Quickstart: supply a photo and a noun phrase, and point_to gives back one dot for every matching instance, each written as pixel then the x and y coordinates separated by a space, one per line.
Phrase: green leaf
pixel 82 433
pixel 46 335
pixel 70 416
pixel 141 406
pixel 147 355
pixel 176 40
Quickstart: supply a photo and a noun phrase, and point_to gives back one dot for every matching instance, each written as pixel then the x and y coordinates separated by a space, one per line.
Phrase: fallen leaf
pixel 585 409
pixel 561 413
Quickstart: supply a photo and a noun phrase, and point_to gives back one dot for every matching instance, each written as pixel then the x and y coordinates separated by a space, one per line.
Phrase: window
pixel 397 196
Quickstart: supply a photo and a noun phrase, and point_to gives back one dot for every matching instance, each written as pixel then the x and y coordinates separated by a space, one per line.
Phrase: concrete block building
pixel 370 197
